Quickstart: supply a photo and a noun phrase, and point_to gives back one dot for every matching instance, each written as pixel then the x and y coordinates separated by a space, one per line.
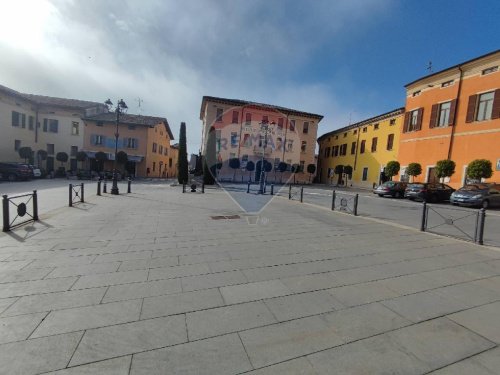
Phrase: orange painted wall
pixel 474 140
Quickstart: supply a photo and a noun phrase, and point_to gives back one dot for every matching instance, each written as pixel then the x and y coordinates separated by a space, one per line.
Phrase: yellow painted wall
pixel 357 133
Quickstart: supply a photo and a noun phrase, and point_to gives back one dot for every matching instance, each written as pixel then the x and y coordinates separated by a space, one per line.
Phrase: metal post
pixel 104 190
pixel 301 194
pixel 272 189
pixel 248 187
pixel 82 199
pixel 482 218
pixel 183 188
pixel 203 187
pixel 333 200
pixel 129 190
pixel 71 195
pixel 6 219
pixel 35 205
pixel 424 218
pixel 289 192
pixel 99 187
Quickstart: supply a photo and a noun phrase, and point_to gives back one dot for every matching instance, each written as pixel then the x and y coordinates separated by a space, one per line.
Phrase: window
pixel 234 139
pixel 246 140
pixel 74 150
pixel 327 152
pixel 53 126
pixel 493 69
pixel 302 165
pixel 261 140
pixel 166 151
pixel 290 145
pixel 155 147
pixel 447 83
pixel 235 117
pixel 280 123
pixel 345 134
pixel 303 146
pixel 75 128
pixel 131 142
pixel 160 149
pixel 170 162
pixel 265 119
pixel 416 93
pixel 218 116
pixel 292 125
pixel 100 123
pixel 353 148
pixel 390 142
pixel 343 149
pixel 336 137
pixel 132 127
pixel 248 118
pixel 444 114
pixel 15 118
pixel 365 174
pixel 17 145
pixel 375 126
pixel 305 130
pixel 336 151
pixel 374 144
pixel 365 129
pixel 23 120
pixel 98 140
pixel 154 166
pixel 362 148
pixel 279 143
pixel 244 161
pixel 412 126
pixel 31 123
pixel 355 131
pixel 392 122
pixel 485 106
pixel 50 148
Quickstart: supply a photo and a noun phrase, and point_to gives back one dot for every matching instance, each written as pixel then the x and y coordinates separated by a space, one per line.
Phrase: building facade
pixel 145 140
pixel 453 114
pixel 42 123
pixel 251 132
pixel 366 146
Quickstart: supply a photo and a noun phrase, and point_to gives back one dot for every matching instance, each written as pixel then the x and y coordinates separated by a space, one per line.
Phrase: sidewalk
pixel 149 283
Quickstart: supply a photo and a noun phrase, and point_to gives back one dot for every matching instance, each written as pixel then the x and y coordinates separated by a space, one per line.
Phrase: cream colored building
pixel 291 137
pixel 42 123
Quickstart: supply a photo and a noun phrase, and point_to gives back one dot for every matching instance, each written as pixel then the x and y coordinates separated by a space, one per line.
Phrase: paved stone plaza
pixel 148 283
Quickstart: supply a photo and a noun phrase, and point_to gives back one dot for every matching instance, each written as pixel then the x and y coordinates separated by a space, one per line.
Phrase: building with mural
pixel 453 114
pixel 366 146
pixel 251 132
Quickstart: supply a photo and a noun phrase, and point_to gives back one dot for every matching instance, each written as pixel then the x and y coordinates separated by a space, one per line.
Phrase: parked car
pixel 15 171
pixel 429 192
pixel 37 173
pixel 477 195
pixel 395 189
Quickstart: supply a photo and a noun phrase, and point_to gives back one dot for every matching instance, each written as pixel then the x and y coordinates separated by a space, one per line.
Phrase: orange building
pixel 145 139
pixel 453 114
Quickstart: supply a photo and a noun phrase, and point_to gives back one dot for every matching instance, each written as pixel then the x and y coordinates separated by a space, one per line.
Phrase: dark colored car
pixel 395 189
pixel 429 192
pixel 16 171
pixel 477 195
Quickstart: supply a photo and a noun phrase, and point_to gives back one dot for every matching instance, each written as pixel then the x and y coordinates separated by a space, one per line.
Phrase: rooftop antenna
pixel 429 67
pixel 139 102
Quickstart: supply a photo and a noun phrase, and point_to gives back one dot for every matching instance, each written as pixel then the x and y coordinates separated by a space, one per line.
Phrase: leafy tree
pixel 41 155
pixel 25 153
pixel 183 173
pixel 445 168
pixel 250 168
pixel 348 170
pixel 392 168
pixel 81 156
pixel 234 163
pixel 282 167
pixel 479 168
pixel 62 157
pixel 122 158
pixel 414 170
pixel 339 170
pixel 101 157
pixel 311 169
pixel 210 158
pixel 268 167
pixel 295 169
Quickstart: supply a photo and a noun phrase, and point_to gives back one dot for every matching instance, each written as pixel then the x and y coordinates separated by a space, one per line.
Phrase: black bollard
pixel 333 200
pixel 203 187
pixel 482 217
pixel 289 192
pixel 356 197
pixel 99 187
pixel 129 190
pixel 424 217
pixel 70 195
pixel 248 187
pixel 35 205
pixel 301 194
pixel 82 195
pixel 272 189
pixel 104 189
pixel 6 219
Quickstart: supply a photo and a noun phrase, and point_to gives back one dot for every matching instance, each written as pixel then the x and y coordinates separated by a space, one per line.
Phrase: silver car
pixel 483 195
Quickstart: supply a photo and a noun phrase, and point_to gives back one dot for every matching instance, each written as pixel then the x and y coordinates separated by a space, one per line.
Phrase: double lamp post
pixel 120 107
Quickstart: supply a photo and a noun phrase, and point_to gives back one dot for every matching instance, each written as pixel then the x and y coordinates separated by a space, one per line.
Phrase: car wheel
pixel 398 195
pixel 485 204
pixel 381 195
pixel 12 177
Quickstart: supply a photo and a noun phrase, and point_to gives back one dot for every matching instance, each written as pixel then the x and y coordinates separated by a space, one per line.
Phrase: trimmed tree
pixel 25 153
pixel 234 163
pixel 282 167
pixel 295 169
pixel 445 168
pixel 392 168
pixel 81 156
pixel 339 170
pixel 250 168
pixel 41 156
pixel 348 172
pixel 122 158
pixel 311 169
pixel 413 170
pixel 183 172
pixel 479 169
pixel 100 157
pixel 62 157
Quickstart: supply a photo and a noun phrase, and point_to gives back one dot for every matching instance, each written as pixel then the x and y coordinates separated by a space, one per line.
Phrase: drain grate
pixel 231 217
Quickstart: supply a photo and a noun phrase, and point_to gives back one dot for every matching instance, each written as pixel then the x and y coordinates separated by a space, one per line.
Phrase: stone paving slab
pixel 147 283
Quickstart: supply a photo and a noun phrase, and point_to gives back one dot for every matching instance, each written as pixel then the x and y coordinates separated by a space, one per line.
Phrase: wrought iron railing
pixel 21 203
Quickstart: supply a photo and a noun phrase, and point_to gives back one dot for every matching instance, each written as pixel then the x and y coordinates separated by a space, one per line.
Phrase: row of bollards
pixel 193 188
pixel 105 187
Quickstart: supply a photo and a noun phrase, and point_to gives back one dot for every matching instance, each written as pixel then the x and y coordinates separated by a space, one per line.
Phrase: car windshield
pixel 415 186
pixel 475 187
pixel 389 184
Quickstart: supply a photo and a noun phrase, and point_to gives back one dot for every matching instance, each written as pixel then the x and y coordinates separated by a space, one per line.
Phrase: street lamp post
pixel 264 127
pixel 120 107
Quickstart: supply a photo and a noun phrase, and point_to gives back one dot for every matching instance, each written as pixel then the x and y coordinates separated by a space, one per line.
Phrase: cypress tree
pixel 182 174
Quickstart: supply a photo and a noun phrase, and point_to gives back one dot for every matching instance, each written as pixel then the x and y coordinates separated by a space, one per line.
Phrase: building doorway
pixel 431 175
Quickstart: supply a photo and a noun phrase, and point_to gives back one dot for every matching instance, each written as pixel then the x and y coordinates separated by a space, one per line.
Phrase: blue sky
pixel 344 59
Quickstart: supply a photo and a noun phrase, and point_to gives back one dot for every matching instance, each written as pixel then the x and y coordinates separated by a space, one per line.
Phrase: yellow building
pixel 366 146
